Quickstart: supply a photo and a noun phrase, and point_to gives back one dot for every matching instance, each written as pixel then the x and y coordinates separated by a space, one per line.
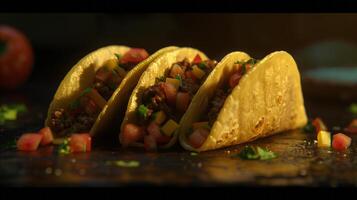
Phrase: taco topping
pixel 201 130
pixel 164 103
pixel 81 114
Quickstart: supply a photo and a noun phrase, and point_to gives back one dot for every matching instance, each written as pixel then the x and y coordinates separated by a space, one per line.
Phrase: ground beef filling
pixel 155 98
pixel 216 104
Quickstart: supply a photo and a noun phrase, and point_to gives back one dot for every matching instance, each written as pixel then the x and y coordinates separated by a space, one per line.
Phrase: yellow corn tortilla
pixel 267 100
pixel 81 76
pixel 155 70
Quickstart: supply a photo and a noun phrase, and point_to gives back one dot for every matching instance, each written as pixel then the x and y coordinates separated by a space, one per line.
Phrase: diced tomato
pixel 189 74
pixel 198 137
pixel 80 142
pixel 197 59
pixel 234 79
pixel 47 136
pixel 88 105
pixel 319 125
pixel 182 101
pixel 103 74
pixel 149 143
pixel 154 130
pixel 341 141
pixel 29 142
pixel 176 70
pixel 97 99
pixel 170 93
pixel 134 55
pixel 131 133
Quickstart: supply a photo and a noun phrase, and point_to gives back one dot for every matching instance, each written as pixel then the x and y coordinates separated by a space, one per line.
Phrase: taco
pixel 97 89
pixel 162 96
pixel 244 99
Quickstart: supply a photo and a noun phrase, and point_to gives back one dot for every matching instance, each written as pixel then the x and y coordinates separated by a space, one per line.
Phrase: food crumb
pixel 199 165
pixel 58 172
pixel 73 160
pixel 315 141
pixel 48 170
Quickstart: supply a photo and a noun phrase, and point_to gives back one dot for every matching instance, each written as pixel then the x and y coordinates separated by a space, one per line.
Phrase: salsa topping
pixel 201 130
pixel 164 103
pixel 81 114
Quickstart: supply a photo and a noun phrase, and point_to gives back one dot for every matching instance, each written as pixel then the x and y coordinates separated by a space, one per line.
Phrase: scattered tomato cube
pixel 47 136
pixel 80 142
pixel 29 142
pixel 341 141
pixel 324 139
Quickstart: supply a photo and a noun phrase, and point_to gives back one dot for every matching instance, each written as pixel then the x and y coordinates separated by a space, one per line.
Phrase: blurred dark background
pixel 60 40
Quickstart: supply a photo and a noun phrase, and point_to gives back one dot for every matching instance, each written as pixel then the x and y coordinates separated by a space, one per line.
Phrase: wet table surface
pixel 299 161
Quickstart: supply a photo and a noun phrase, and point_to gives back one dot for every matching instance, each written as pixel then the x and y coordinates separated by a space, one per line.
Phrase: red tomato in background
pixel 80 142
pixel 29 142
pixel 16 58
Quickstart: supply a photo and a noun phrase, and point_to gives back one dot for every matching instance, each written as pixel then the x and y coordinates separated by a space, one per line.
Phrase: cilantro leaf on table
pixel 256 153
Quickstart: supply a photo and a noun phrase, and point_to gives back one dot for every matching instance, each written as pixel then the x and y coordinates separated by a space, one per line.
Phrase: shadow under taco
pixel 96 90
pixel 244 99
pixel 162 96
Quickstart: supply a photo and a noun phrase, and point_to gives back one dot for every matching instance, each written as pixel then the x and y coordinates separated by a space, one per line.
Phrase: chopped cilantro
pixel 118 56
pixel 202 65
pixel 265 154
pixel 143 111
pixel 178 77
pixel 252 61
pixel 309 128
pixel 64 148
pixel 244 69
pixel 256 153
pixel 353 108
pixel 160 79
pixel 9 112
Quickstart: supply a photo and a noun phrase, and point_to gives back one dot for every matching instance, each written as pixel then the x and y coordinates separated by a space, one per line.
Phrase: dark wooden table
pixel 299 162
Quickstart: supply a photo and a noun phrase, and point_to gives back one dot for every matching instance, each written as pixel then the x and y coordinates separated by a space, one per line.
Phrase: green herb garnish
pixel 256 153
pixel 64 148
pixel 202 65
pixel 309 128
pixel 178 77
pixel 353 108
pixel 160 79
pixel 143 111
pixel 118 56
pixel 9 112
pixel 193 154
